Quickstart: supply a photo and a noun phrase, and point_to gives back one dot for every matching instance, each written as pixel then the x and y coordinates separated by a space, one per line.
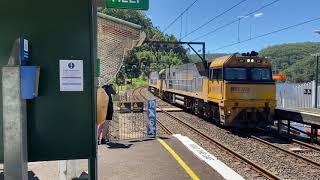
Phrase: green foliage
pixel 294 60
pixel 150 56
pixel 136 82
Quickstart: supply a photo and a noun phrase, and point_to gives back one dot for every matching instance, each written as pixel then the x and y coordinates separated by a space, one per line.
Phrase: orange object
pixel 102 105
pixel 279 77
pixel 309 132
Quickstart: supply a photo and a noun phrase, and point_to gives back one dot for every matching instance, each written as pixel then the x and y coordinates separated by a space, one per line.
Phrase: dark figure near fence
pixel 110 91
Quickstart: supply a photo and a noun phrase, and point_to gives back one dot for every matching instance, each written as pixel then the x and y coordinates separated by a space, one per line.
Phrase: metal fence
pixel 129 121
pixel 290 96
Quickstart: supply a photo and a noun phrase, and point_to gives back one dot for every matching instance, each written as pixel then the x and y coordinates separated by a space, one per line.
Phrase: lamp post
pixel 132 67
pixel 317 76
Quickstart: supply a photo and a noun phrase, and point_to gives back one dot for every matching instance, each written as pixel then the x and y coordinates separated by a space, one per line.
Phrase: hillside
pixel 209 57
pixel 294 60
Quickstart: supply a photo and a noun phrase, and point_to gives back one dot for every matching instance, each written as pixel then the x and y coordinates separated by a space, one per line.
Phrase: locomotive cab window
pixel 235 74
pixel 162 76
pixel 216 73
pixel 261 74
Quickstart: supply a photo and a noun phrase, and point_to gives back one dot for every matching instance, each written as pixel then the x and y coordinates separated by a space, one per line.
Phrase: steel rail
pixel 309 161
pixel 305 144
pixel 162 126
pixel 314 163
pixel 255 167
pixel 293 140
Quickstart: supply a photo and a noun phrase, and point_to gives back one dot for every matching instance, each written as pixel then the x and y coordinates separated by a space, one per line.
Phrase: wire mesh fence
pixel 129 121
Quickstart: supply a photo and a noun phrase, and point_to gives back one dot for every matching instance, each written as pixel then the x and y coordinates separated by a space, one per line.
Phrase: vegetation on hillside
pixel 149 57
pixel 294 60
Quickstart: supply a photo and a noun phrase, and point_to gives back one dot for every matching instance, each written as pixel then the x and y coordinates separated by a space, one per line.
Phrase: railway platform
pixel 163 158
pixel 306 116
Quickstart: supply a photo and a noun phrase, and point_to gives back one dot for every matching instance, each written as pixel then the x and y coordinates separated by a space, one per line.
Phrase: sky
pixel 279 15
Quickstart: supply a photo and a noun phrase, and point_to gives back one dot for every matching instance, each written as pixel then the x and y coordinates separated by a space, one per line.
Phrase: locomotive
pixel 235 90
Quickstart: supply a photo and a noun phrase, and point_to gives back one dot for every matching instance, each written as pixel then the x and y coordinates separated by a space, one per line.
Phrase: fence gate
pixel 129 121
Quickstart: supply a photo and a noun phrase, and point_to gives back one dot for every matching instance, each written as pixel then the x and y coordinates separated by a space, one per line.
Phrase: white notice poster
pixel 71 75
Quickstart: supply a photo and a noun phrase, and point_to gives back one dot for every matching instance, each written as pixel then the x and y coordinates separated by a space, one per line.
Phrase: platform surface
pixel 300 115
pixel 134 160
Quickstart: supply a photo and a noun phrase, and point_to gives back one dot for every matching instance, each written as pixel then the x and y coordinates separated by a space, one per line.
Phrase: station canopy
pixel 115 37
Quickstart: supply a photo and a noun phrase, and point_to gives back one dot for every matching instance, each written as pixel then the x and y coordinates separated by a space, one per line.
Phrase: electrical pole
pixel 316 89
pixel 317 75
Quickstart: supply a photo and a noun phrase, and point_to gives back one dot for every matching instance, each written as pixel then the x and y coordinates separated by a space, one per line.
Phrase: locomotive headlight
pixel 248 60
pixel 252 60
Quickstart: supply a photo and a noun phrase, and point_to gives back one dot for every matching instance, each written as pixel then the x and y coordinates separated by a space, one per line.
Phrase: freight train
pixel 235 90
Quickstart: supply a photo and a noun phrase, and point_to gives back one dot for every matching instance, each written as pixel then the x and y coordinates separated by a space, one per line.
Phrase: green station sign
pixel 128 4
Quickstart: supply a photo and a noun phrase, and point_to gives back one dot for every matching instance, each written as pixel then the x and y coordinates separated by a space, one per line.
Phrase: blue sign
pixel 152 119
pixel 28 76
pixel 24 49
pixel 71 65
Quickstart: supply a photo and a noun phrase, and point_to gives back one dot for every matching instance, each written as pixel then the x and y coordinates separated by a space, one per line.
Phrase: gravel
pixel 281 164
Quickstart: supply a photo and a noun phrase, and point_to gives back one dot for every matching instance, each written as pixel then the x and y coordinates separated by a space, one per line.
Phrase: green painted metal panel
pixel 61 125
pixel 128 4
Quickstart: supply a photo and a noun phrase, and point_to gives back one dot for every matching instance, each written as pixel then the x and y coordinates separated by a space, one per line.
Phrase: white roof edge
pixel 120 21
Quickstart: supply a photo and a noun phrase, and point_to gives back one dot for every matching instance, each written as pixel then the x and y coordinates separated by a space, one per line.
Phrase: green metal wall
pixel 60 124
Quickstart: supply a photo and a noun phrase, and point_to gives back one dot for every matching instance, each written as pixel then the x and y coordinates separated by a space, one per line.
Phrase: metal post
pixel 316 89
pixel 63 170
pixel 93 168
pixel 316 134
pixel 279 126
pixel 14 126
pixel 289 124
pixel 73 169
pixel 131 76
pixel 204 51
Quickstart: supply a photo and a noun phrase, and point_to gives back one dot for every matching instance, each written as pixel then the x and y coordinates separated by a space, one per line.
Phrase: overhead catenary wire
pixel 269 33
pixel 236 20
pixel 181 14
pixel 212 19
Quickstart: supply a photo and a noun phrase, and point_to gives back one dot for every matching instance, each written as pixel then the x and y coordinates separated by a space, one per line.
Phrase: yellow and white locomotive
pixel 236 90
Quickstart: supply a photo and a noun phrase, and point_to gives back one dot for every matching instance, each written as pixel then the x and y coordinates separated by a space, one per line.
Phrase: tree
pixel 294 60
pixel 149 57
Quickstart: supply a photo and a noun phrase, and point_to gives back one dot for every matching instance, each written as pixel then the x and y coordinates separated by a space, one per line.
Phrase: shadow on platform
pixel 118 145
pixel 115 145
pixel 31 176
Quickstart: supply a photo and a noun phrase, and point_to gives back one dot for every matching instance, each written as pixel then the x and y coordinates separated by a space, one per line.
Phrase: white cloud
pixel 258 15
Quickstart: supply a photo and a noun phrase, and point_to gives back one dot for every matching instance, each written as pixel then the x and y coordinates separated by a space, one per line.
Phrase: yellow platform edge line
pixel 179 160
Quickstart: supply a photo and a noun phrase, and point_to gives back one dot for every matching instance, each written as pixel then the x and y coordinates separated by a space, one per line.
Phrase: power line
pixel 236 20
pixel 206 23
pixel 176 19
pixel 269 33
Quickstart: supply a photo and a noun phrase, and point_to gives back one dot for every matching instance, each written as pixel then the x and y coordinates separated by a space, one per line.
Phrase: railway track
pixel 294 143
pixel 298 142
pixel 260 171
pixel 263 141
pixel 161 125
